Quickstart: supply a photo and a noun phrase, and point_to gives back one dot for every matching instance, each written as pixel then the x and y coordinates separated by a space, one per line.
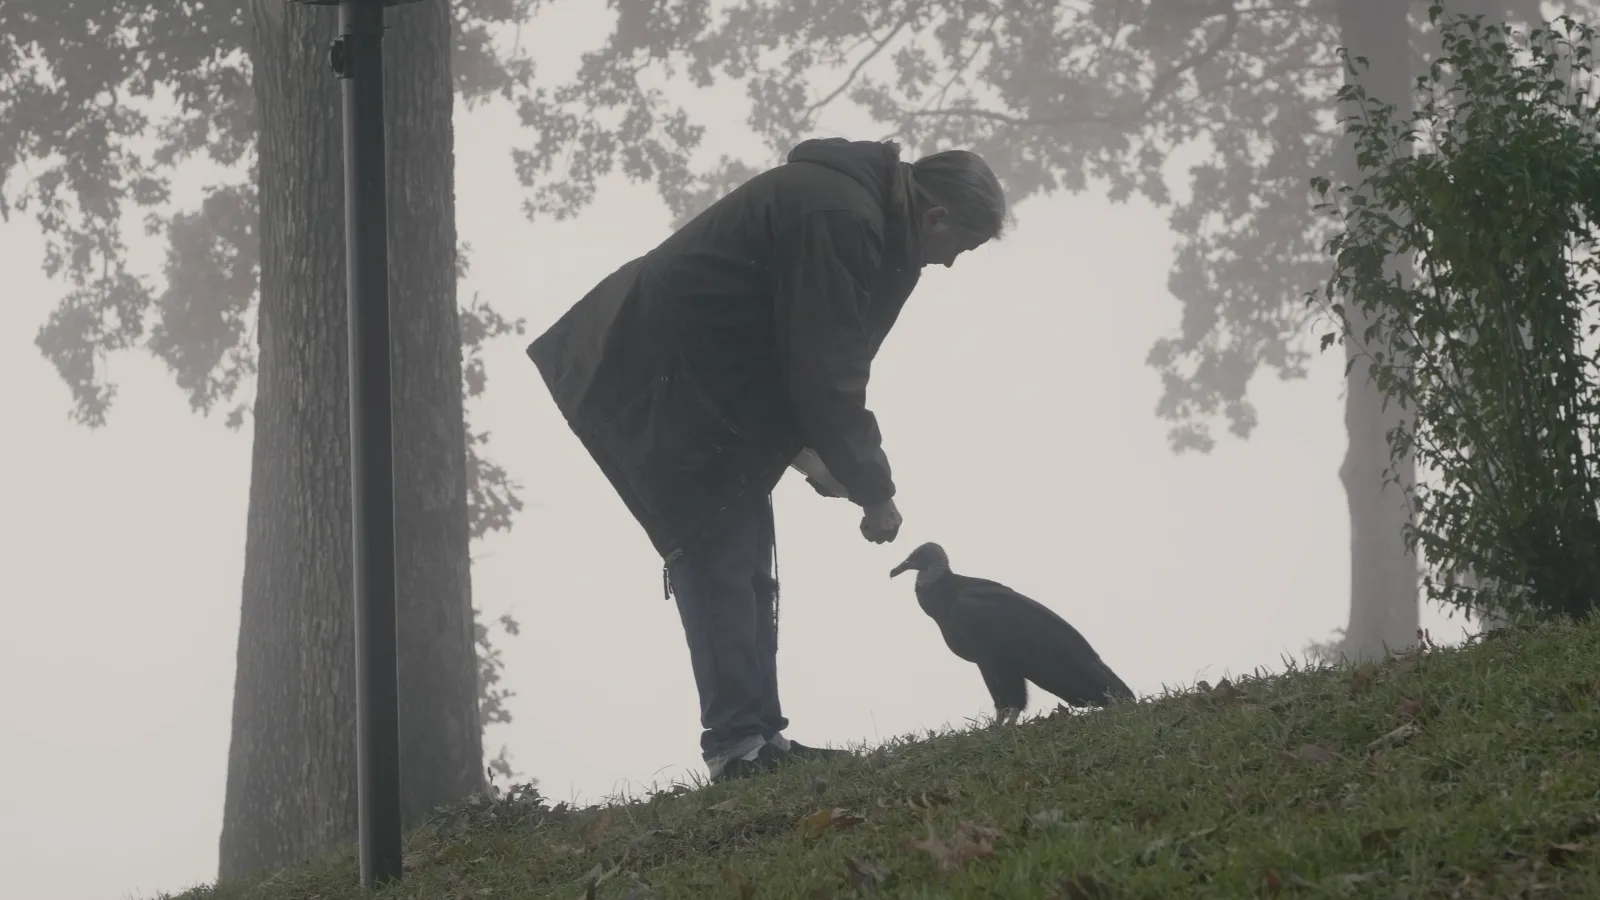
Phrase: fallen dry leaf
pixel 1145 817
pixel 597 829
pixel 1558 854
pixel 1082 887
pixel 969 842
pixel 1395 738
pixel 1408 709
pixel 823 819
pixel 865 875
pixel 1047 817
pixel 1373 841
pixel 1317 753
pixel 1314 808
pixel 561 851
pixel 1226 692
pixel 927 800
pixel 982 831
pixel 744 887
pixel 727 806
pixel 1271 884
pixel 1361 682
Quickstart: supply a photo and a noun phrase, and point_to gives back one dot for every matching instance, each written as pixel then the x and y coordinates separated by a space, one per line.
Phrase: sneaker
pixel 799 751
pixel 758 761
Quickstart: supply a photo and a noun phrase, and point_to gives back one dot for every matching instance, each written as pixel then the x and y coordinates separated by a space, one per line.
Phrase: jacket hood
pixel 873 163
pixel 876 165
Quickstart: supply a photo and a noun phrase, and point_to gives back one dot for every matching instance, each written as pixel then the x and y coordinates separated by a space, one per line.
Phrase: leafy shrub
pixel 1465 272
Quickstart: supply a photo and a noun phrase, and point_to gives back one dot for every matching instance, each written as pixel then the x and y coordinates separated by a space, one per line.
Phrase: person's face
pixel 941 241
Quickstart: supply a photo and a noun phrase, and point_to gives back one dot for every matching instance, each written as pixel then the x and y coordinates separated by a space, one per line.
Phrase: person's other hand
pixel 880 524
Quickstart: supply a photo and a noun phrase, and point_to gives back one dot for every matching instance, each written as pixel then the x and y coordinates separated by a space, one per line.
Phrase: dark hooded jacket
pixel 695 373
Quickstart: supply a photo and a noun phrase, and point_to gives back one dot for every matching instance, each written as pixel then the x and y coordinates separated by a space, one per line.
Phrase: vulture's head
pixel 929 556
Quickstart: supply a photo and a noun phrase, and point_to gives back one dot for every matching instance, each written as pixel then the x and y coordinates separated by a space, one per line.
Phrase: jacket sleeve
pixel 824 272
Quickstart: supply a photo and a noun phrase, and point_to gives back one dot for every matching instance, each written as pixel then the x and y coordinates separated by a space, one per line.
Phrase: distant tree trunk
pixel 1383 575
pixel 291 786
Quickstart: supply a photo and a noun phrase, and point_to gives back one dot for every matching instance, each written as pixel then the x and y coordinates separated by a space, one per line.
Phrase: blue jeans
pixel 725 591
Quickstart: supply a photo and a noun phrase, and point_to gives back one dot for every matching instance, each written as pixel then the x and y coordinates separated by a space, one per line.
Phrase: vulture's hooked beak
pixel 900 568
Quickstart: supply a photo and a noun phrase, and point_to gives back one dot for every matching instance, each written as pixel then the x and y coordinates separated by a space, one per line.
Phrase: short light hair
pixel 961 182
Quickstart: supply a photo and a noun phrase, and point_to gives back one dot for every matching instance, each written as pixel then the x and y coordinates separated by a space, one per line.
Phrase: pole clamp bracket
pixel 339 53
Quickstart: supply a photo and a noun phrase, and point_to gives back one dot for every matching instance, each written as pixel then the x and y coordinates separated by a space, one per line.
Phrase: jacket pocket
pixel 675 447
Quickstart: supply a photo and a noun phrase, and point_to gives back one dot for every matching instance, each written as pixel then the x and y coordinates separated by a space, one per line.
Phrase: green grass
pixel 1471 772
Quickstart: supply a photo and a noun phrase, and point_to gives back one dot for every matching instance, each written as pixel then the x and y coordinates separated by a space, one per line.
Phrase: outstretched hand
pixel 880 524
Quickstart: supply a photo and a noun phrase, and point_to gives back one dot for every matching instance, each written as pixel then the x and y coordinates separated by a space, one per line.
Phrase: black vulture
pixel 1013 639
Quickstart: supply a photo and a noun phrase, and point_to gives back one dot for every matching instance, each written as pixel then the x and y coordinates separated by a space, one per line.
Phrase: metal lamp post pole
pixel 356 57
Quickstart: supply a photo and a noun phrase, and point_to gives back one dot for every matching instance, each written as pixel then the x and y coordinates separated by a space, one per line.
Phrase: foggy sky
pixel 1032 453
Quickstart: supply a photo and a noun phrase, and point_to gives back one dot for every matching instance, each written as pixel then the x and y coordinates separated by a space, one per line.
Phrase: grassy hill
pixel 1471 772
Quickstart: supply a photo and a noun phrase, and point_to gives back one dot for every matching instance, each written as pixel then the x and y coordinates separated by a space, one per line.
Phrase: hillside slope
pixel 1471 772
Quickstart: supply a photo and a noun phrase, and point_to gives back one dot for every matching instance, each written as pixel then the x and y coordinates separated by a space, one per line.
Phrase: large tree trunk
pixel 1383 575
pixel 291 786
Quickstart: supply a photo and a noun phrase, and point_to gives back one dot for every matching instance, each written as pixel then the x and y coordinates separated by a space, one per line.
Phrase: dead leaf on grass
pixel 1226 692
pixel 1317 753
pixel 970 841
pixel 598 828
pixel 1558 854
pixel 1047 817
pixel 1082 887
pixel 1408 709
pixel 823 819
pixel 1144 817
pixel 1397 737
pixel 727 806
pixel 926 801
pixel 1373 841
pixel 1362 682
pixel 1313 809
pixel 742 886
pixel 865 875
pixel 562 851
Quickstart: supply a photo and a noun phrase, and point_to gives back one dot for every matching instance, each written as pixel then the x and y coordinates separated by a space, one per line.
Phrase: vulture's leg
pixel 1008 690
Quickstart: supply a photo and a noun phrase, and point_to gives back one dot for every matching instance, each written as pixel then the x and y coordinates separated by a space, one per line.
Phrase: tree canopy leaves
pixel 104 102
pixel 1058 95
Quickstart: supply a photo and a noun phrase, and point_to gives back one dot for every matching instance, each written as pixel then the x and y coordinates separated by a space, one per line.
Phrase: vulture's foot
pixel 1007 717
